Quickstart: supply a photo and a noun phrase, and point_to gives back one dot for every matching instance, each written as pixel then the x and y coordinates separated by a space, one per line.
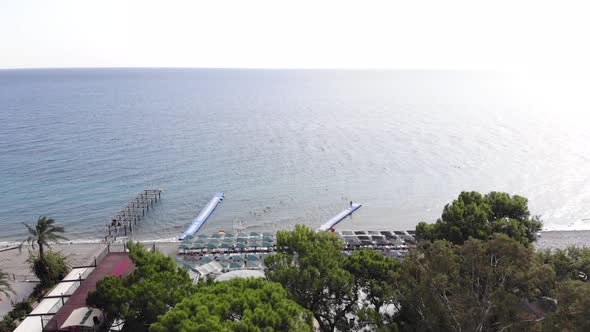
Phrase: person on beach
pixel 350 203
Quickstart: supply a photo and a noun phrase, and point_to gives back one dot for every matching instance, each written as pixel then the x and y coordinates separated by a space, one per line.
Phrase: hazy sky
pixel 296 34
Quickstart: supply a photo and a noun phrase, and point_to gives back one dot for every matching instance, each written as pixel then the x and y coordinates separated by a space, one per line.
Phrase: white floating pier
pixel 202 217
pixel 338 218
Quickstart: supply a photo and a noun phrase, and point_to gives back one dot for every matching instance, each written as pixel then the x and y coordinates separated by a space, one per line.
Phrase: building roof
pixel 117 263
pixel 240 274
pixel 82 317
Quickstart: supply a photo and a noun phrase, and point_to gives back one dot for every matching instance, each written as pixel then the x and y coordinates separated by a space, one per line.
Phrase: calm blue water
pixel 286 147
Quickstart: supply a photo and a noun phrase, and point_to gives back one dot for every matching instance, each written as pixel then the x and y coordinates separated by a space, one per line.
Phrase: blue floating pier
pixel 202 217
pixel 338 218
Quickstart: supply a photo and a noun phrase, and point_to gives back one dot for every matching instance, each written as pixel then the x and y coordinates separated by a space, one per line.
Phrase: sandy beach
pixel 14 262
pixel 22 290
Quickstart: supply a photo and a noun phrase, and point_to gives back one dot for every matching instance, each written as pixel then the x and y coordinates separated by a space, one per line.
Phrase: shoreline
pixel 13 245
pixel 13 261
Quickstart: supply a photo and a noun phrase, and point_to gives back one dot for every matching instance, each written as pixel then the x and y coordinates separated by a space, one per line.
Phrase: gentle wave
pixel 286 147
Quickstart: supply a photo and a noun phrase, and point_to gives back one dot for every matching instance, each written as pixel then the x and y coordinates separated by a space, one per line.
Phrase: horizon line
pixel 265 68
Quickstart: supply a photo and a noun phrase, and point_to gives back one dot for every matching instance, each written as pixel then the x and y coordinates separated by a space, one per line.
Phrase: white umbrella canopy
pixel 82 317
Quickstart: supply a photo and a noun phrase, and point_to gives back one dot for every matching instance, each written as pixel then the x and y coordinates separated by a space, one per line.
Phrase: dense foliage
pixel 236 305
pixel 7 324
pixel 375 276
pixel 50 269
pixel 20 310
pixel 472 215
pixel 572 263
pixel 477 286
pixel 573 310
pixel 322 279
pixel 151 290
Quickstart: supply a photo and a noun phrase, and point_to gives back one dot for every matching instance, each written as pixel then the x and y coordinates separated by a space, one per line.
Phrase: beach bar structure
pixel 202 217
pixel 135 210
pixel 60 309
pixel 338 218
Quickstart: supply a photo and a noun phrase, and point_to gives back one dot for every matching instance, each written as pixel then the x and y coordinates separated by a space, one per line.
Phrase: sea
pixel 286 147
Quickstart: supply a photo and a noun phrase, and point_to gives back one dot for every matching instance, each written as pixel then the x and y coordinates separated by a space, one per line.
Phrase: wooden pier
pixel 124 222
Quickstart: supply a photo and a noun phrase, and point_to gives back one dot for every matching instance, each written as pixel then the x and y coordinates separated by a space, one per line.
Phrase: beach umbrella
pixel 267 244
pixel 236 265
pixel 242 235
pixel 237 258
pixel 366 242
pixel 241 245
pixel 229 235
pixel 252 258
pixel 183 246
pixel 253 264
pixel 188 266
pixel 203 236
pixel 216 241
pixel 254 234
pixel 223 258
pixel 226 245
pixel 241 240
pixel 206 259
pixel 216 236
pixel 200 241
pixel 268 234
pixel 212 245
pixel 353 241
pixel 197 246
pixel 267 238
pixel 257 243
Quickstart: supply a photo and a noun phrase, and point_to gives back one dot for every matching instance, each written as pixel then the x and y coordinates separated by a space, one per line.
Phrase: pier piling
pixel 132 214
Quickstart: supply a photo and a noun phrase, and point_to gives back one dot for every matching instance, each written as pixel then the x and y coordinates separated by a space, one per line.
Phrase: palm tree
pixel 44 232
pixel 4 285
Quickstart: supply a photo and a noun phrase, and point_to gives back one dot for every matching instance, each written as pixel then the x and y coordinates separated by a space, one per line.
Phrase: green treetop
pixel 375 275
pixel 153 288
pixel 477 286
pixel 472 215
pixel 321 278
pixel 571 263
pixel 236 305
pixel 573 308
